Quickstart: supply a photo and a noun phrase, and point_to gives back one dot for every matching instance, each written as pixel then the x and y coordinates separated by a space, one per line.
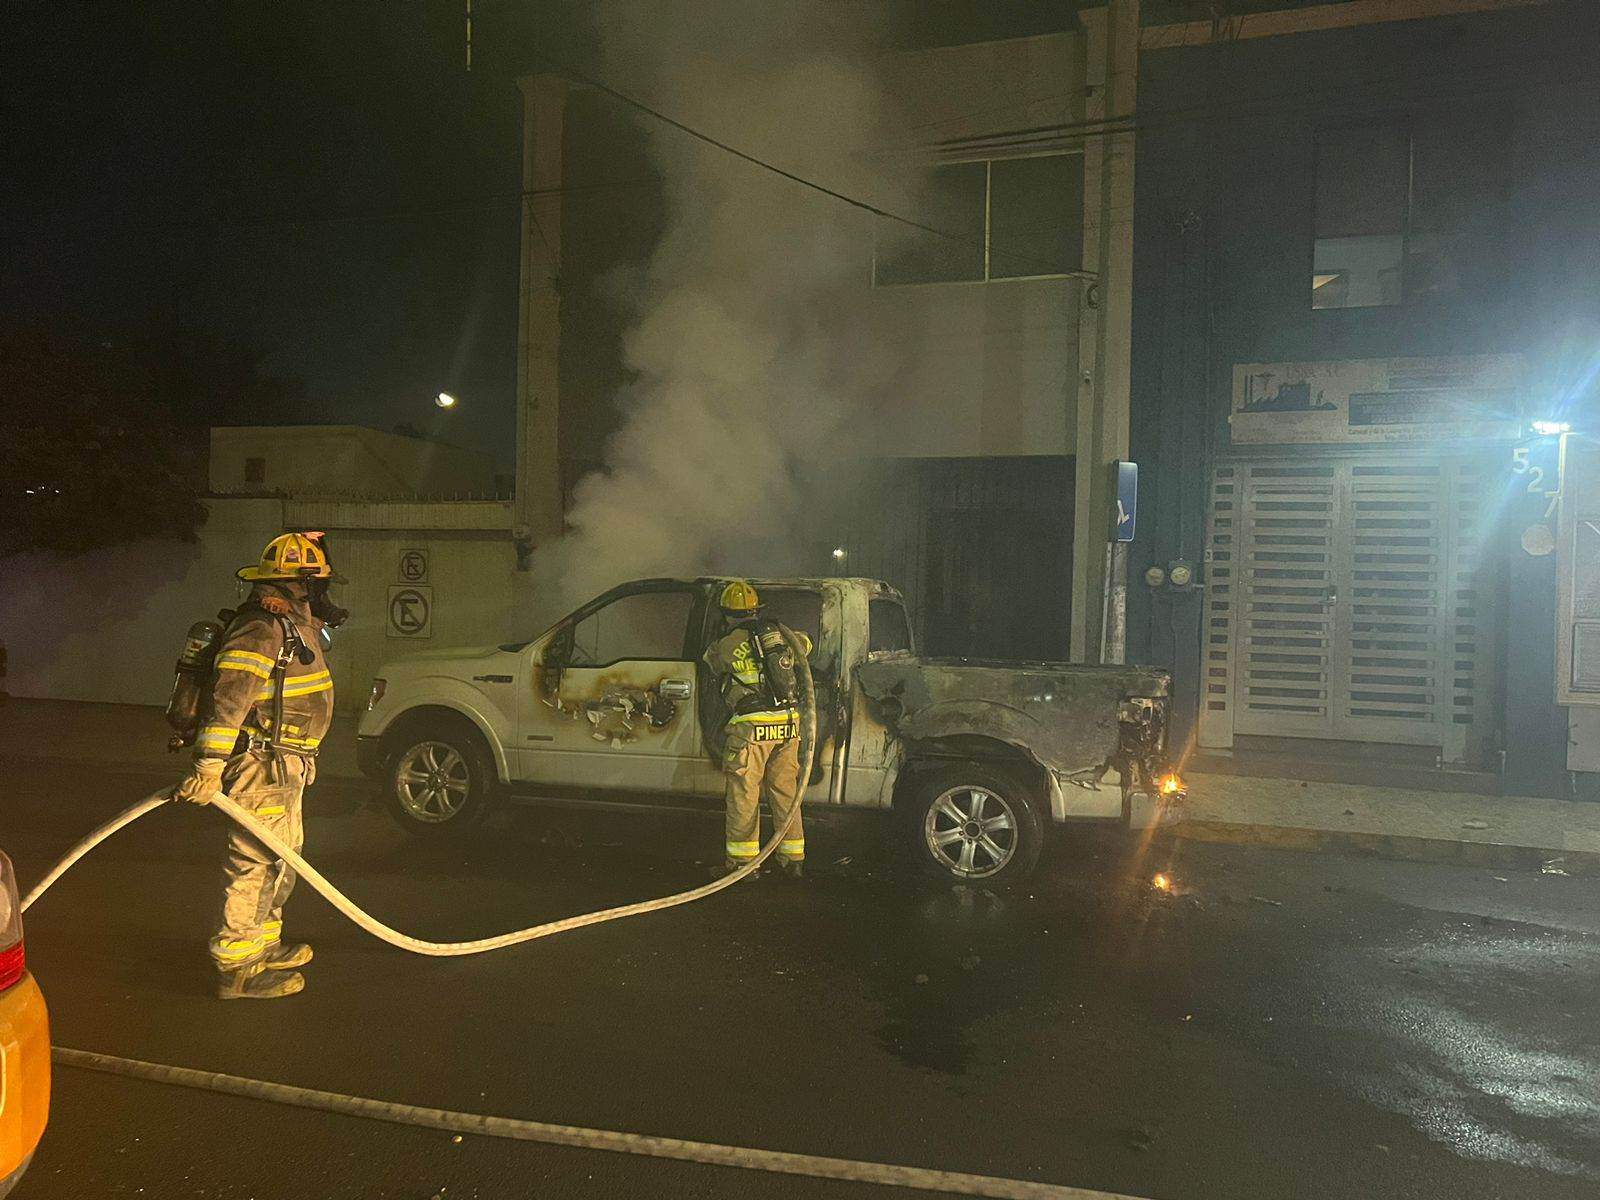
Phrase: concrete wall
pixel 108 626
pixel 344 460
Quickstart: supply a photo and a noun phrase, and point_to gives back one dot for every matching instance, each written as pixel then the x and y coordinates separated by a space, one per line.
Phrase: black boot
pixel 254 982
pixel 286 956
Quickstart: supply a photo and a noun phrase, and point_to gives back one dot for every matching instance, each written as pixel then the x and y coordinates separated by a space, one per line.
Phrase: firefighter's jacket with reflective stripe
pixel 735 661
pixel 243 686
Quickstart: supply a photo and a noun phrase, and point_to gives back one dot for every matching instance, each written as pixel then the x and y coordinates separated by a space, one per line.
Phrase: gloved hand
pixel 202 783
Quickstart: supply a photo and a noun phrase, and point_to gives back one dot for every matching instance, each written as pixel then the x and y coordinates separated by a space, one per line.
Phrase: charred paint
pixel 620 706
pixel 1064 715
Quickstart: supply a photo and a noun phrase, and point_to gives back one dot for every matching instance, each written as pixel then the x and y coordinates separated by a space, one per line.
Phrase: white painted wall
pixel 108 626
pixel 344 460
pixel 991 368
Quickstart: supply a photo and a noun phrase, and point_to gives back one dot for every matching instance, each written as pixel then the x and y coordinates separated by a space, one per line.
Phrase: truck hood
pixel 1063 715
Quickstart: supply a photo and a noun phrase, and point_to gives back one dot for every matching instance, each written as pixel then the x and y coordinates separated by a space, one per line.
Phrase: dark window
pixel 801 611
pixel 1363 211
pixel 1035 216
pixel 887 627
pixel 255 470
pixel 1007 219
pixel 647 626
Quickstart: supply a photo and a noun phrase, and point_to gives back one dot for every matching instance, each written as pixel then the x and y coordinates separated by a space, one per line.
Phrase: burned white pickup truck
pixel 613 705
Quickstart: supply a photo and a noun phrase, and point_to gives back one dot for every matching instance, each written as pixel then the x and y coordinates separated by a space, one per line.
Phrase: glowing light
pixel 1162 882
pixel 1551 428
pixel 1170 783
pixel 838 553
pixel 445 400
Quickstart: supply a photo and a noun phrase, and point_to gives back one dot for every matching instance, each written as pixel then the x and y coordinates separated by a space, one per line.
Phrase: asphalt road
pixel 1281 1025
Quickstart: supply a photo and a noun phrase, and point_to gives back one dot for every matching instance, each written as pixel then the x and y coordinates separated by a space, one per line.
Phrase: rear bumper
pixel 24 1077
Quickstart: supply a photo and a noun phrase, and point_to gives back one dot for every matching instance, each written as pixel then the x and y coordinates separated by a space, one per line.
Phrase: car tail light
pixel 376 694
pixel 12 961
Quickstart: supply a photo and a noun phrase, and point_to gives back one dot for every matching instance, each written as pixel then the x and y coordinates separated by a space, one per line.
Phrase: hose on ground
pixel 808 747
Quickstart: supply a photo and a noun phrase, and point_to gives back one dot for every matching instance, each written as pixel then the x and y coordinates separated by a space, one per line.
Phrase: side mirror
pixel 559 651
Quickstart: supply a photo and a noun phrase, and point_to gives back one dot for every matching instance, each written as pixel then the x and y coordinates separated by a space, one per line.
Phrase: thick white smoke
pixel 749 362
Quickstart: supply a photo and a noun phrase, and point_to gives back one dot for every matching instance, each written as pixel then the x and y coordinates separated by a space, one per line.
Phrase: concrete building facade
pixel 980 486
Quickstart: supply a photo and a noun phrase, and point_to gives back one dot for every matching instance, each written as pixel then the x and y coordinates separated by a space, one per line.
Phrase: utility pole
pixel 1105 328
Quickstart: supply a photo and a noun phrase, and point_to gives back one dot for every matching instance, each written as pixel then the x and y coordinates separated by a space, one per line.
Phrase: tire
pixel 438 778
pixel 974 823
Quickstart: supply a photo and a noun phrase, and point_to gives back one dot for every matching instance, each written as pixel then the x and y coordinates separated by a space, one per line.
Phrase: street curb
pixel 1404 847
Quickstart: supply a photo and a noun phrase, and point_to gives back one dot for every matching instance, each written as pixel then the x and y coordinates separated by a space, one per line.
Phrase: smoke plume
pixel 748 362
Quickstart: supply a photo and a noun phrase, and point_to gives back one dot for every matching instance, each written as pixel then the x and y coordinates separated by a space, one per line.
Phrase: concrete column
pixel 537 509
pixel 1105 322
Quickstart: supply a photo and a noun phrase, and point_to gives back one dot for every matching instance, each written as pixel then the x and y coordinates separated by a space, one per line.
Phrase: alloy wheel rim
pixel 432 782
pixel 971 831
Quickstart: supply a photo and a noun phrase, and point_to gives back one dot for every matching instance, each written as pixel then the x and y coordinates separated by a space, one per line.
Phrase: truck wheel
pixel 439 780
pixel 972 823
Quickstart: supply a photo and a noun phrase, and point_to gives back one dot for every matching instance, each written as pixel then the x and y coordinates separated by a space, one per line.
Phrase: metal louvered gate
pixel 1348 599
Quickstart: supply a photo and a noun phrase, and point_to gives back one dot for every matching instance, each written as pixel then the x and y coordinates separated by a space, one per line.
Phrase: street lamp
pixel 445 400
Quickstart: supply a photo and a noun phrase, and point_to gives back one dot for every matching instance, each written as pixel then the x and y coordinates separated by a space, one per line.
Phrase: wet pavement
pixel 1276 1024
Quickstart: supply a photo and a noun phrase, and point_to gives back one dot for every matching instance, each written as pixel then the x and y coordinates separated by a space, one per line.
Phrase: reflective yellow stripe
pixel 272 810
pixel 743 849
pixel 272 926
pixel 217 737
pixel 297 687
pixel 299 743
pixel 773 717
pixel 236 949
pixel 789 845
pixel 243 660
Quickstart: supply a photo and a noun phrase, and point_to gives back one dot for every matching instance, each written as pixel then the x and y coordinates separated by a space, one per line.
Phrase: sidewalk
pixel 1512 831
pixel 129 735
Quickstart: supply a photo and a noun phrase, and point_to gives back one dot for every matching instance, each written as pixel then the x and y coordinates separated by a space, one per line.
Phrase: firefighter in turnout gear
pixel 754 669
pixel 270 705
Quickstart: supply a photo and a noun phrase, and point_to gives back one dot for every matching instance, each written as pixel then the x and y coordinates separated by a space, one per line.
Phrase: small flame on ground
pixel 1162 882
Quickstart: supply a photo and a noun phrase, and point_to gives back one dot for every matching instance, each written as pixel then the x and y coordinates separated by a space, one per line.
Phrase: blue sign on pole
pixel 1127 499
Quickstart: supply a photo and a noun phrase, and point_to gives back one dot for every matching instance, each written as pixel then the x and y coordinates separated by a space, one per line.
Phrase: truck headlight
pixel 376 694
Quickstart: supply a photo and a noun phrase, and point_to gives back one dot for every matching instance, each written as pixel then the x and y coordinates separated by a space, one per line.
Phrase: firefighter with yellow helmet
pixel 270 705
pixel 754 668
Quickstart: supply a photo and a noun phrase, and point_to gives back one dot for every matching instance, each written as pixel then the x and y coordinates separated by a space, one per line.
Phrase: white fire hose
pixel 808 748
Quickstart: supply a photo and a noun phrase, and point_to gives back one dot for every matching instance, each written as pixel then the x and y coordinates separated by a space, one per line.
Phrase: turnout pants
pixel 756 770
pixel 256 883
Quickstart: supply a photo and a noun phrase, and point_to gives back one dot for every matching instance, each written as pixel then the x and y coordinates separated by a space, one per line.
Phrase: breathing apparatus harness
pixel 190 703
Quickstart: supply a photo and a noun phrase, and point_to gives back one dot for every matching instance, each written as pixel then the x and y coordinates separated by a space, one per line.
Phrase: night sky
pixel 324 183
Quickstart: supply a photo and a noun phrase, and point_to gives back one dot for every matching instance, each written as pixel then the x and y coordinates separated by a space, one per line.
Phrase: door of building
pixel 1350 599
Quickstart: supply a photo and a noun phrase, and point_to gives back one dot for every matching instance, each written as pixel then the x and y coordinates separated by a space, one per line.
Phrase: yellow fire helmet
pixel 739 598
pixel 290 556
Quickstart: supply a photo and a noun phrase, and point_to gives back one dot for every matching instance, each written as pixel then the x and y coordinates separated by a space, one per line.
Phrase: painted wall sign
pixel 1377 400
pixel 411 612
pixel 414 566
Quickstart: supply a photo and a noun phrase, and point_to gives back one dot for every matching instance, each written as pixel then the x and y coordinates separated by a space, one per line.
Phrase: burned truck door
pixel 614 705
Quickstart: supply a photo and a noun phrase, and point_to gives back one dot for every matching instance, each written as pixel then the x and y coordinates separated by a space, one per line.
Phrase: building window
pixel 255 470
pixel 1363 213
pixel 1014 218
